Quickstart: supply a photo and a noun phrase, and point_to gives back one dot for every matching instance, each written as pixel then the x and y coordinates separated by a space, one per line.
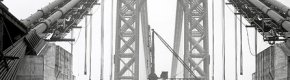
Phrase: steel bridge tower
pixel 192 19
pixel 131 15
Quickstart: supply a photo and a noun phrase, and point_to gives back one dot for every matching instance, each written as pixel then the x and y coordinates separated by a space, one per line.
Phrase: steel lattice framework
pixel 193 16
pixel 129 15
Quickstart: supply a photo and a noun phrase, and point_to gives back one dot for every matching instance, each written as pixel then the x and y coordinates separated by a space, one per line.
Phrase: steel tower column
pixel 130 14
pixel 194 14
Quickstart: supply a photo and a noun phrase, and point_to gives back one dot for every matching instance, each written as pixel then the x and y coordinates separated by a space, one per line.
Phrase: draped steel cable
pixel 176 55
pixel 248 40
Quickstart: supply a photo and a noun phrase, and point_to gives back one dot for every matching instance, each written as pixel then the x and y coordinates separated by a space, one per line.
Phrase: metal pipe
pixel 44 25
pixel 41 12
pixel 272 14
pixel 280 6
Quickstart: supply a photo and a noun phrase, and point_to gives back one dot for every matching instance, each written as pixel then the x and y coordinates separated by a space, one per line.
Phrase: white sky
pixel 162 19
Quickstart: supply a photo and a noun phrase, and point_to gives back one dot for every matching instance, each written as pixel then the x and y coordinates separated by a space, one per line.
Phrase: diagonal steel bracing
pixel 130 15
pixel 192 19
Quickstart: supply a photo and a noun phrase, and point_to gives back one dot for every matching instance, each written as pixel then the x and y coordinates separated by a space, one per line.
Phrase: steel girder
pixel 268 21
pixel 193 16
pixel 71 19
pixel 128 19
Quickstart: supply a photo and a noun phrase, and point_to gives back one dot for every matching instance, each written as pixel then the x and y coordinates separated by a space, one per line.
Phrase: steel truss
pixel 267 21
pixel 193 16
pixel 129 15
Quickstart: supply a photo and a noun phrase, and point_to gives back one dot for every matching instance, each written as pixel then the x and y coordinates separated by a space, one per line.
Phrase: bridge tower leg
pixel 131 14
pixel 192 19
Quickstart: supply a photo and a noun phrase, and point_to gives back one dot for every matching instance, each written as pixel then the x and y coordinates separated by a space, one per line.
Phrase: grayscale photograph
pixel 144 40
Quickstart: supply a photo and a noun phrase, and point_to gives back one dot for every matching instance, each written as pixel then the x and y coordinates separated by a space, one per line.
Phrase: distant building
pixel 273 63
pixel 53 63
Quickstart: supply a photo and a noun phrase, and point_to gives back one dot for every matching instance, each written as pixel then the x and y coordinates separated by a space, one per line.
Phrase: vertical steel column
pixel 195 37
pixel 126 57
pixel 145 33
pixel 177 36
pixel 206 59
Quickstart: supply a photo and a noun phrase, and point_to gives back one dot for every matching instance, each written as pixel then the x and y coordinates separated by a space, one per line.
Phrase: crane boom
pixel 175 54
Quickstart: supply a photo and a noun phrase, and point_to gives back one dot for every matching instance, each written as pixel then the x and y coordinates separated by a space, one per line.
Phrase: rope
pixel 244 24
pixel 249 46
pixel 78 36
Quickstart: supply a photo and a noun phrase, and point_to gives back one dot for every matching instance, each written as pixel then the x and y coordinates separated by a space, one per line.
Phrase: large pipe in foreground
pixel 41 12
pixel 272 14
pixel 280 6
pixel 43 26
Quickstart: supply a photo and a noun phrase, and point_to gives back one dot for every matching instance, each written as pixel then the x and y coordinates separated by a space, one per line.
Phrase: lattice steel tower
pixel 192 19
pixel 130 15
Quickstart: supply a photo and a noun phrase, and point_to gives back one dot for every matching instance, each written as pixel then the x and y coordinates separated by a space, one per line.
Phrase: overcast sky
pixel 161 15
